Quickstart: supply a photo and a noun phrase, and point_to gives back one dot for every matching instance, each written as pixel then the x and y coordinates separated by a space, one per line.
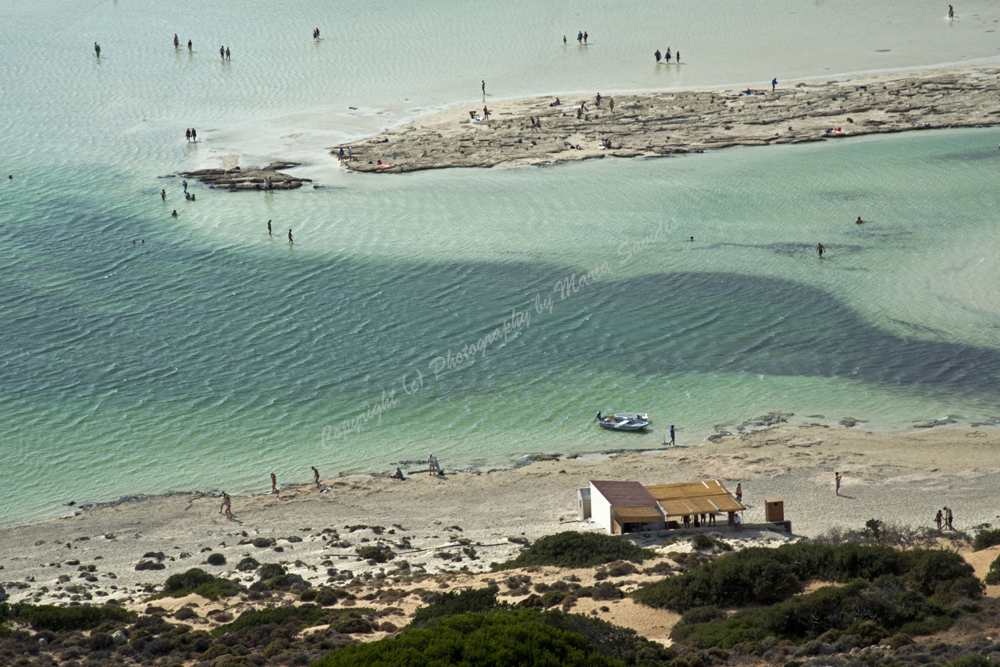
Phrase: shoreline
pixel 429 520
pixel 723 433
pixel 674 122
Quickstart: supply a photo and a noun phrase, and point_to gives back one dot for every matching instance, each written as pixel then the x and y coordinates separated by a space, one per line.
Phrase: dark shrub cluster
pixel 986 539
pixel 61 619
pixel 573 549
pixel 870 611
pixel 766 576
pixel 199 582
pixel 508 637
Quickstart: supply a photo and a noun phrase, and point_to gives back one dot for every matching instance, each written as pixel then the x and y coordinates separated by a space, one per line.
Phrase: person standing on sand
pixel 774 84
pixel 739 493
pixel 937 520
pixel 315 472
pixel 484 90
pixel 611 105
pixel 274 483
pixel 432 464
pixel 837 477
pixel 950 518
pixel 672 439
pixel 227 506
pixel 820 249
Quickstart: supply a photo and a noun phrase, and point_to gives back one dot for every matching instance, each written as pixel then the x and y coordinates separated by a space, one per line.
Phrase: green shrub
pixel 702 541
pixel 450 604
pixel 306 615
pixel 373 553
pixel 574 549
pixel 765 576
pixel 270 571
pixel 248 564
pixel 993 576
pixel 871 611
pixel 986 539
pixel 63 619
pixel 198 582
pixel 499 638
pixel 972 660
pixel 216 559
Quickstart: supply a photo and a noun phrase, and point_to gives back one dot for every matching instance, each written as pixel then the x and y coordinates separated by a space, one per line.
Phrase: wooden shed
pixel 624 507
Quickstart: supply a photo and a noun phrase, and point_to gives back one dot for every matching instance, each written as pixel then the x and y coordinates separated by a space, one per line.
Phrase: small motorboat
pixel 624 421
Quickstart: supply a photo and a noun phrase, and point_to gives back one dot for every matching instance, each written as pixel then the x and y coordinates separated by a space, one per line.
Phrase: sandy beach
pixel 463 522
pixel 676 122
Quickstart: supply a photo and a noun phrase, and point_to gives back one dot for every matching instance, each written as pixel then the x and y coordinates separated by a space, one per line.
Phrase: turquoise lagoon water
pixel 210 354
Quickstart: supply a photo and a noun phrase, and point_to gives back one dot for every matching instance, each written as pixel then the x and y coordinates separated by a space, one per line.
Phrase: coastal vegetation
pixel 62 619
pixel 760 575
pixel 199 582
pixel 575 549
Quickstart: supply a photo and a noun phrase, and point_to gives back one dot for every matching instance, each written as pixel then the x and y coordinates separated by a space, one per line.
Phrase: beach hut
pixel 624 507
pixel 692 498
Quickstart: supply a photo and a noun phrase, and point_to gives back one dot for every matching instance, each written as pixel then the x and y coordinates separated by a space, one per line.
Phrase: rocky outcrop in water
pixel 235 179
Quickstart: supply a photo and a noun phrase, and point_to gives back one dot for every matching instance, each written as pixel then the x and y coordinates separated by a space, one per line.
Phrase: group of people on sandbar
pixel 191 134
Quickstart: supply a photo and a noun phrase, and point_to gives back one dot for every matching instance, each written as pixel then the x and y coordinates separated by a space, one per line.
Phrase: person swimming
pixel 859 221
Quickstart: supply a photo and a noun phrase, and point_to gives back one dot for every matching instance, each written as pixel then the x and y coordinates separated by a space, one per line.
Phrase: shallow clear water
pixel 210 354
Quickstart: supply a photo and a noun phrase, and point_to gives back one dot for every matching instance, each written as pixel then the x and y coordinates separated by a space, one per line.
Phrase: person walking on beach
pixel 739 493
pixel 227 506
pixel 268 227
pixel 836 478
pixel 951 12
pixel 291 241
pixel 820 249
pixel 315 472
pixel 611 105
pixel 274 484
pixel 673 440
pixel 774 84
pixel 949 518
pixel 187 134
pixel 97 49
pixel 597 101
pixel 222 52
pixel 432 464
pixel 937 520
pixel 657 55
pixel 194 135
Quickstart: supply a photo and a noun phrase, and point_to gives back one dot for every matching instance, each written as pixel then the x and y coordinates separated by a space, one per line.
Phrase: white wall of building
pixel 600 509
